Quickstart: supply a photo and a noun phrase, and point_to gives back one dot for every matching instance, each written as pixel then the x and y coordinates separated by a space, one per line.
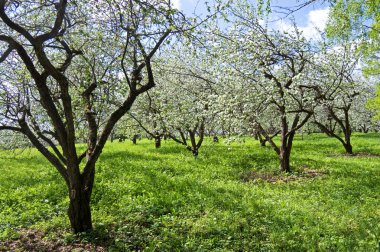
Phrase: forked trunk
pixel 194 146
pixel 261 139
pixel 195 152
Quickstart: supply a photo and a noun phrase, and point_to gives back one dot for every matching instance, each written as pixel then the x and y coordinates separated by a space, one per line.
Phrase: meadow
pixel 231 198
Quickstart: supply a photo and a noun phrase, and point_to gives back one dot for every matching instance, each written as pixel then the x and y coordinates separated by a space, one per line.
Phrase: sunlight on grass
pixel 164 199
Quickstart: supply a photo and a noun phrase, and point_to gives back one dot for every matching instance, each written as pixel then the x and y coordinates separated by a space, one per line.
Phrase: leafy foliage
pixel 374 104
pixel 358 20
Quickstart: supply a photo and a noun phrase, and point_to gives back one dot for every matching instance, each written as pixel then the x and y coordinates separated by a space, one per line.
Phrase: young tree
pixel 338 89
pixel 149 118
pixel 362 117
pixel 359 20
pixel 58 62
pixel 188 83
pixel 273 64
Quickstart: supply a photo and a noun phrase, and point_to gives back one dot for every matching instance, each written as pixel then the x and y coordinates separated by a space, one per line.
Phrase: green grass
pixel 165 200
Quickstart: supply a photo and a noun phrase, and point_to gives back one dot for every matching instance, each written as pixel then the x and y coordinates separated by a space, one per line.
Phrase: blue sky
pixel 308 18
pixel 301 15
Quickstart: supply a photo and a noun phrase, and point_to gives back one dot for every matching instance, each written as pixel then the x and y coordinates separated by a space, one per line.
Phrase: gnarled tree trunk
pixel 80 189
pixel 287 137
pixel 79 209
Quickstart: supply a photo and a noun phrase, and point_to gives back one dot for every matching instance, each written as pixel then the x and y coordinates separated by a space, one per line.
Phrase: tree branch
pixel 6 53
pixel 14 26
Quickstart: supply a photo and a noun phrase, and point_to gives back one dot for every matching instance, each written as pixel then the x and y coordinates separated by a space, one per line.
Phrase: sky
pixel 309 19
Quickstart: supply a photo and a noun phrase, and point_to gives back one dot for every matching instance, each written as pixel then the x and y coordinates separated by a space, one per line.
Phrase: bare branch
pixel 6 53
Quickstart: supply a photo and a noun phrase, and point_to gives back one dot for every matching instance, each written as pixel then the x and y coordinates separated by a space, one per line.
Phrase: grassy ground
pixel 165 200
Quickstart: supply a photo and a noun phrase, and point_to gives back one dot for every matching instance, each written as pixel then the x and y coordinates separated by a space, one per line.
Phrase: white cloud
pixel 316 21
pixel 176 4
pixel 319 18
pixel 262 22
pixel 283 26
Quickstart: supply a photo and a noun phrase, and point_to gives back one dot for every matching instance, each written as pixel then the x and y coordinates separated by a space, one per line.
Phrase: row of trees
pixel 74 71
pixel 249 79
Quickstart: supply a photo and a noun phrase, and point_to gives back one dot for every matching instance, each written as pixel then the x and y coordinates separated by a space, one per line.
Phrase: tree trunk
pixel 194 150
pixel 134 139
pixel 112 136
pixel 261 139
pixel 285 161
pixel 347 133
pixel 284 155
pixel 215 139
pixel 286 145
pixel 348 148
pixel 364 129
pixel 79 210
pixel 347 137
pixel 255 136
pixel 157 141
pixel 194 146
pixel 80 189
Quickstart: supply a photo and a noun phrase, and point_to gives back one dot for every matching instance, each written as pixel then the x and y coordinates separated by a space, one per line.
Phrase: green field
pixel 165 200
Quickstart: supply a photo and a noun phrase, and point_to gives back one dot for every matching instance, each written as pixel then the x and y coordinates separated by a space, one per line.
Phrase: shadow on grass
pixel 370 136
pixel 172 202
